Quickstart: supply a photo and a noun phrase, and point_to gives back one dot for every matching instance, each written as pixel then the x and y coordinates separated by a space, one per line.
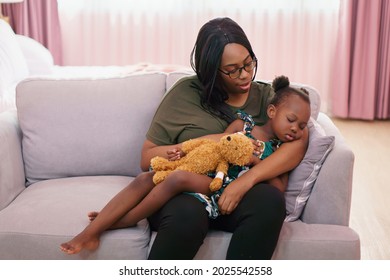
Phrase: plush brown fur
pixel 204 155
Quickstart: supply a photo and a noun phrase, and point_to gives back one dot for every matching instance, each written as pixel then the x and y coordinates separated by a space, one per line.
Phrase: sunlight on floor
pixel 371 189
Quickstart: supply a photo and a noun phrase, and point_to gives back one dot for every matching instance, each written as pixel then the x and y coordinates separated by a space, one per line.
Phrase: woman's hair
pixel 206 59
pixel 282 88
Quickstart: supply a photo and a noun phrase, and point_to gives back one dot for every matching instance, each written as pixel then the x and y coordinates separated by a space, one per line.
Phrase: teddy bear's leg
pixel 221 172
pixel 160 176
pixel 215 184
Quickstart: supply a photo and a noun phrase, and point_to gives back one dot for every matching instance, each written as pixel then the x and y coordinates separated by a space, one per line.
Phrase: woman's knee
pixel 264 199
pixel 181 226
pixel 184 214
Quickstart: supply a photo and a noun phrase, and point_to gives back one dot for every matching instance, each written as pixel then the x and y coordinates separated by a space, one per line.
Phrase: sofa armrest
pixel 12 178
pixel 330 200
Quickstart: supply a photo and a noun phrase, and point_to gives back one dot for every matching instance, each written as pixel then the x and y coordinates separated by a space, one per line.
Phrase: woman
pixel 203 106
pixel 225 67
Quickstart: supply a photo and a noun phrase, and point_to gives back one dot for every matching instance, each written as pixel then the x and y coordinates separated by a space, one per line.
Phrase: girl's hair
pixel 206 59
pixel 283 90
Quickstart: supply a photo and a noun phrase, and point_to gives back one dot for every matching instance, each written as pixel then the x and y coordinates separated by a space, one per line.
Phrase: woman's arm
pixel 151 150
pixel 279 182
pixel 235 126
pixel 283 160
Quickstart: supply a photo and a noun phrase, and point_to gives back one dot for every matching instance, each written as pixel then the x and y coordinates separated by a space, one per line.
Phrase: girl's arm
pixel 283 160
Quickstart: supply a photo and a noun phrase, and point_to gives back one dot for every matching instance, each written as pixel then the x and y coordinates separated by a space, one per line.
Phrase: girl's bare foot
pixel 80 242
pixel 92 215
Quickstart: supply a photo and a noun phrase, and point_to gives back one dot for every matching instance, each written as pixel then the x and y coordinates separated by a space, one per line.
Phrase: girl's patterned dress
pixel 267 148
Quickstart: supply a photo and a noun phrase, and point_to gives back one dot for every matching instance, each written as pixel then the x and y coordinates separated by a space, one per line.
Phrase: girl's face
pixel 290 118
pixel 234 58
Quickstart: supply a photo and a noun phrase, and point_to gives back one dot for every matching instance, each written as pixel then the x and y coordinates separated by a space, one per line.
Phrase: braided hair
pixel 283 90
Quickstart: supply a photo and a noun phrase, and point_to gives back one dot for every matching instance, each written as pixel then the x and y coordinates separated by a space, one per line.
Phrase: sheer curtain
pixel 361 87
pixel 296 38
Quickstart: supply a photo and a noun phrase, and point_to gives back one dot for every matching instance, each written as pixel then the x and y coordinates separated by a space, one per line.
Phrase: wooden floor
pixel 370 211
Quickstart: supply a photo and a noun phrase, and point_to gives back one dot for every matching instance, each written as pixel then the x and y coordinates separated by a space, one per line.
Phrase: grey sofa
pixel 72 144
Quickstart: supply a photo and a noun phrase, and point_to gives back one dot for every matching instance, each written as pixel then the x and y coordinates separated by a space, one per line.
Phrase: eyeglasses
pixel 234 74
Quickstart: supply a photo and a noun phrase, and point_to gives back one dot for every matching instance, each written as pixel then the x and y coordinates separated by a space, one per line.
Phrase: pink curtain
pixel 37 19
pixel 296 38
pixel 361 76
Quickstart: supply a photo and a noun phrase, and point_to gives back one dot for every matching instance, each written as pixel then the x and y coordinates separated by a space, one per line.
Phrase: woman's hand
pixel 232 195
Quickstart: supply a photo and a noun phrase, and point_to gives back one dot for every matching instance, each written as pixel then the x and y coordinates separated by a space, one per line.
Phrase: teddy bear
pixel 204 155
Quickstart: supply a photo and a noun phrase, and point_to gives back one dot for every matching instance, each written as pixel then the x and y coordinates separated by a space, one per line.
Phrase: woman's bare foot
pixel 80 242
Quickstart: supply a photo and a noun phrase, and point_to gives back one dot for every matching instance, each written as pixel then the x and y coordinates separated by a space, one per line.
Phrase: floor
pixel 370 210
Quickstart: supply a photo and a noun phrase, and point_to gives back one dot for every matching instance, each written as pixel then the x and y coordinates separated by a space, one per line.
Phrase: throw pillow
pixel 303 177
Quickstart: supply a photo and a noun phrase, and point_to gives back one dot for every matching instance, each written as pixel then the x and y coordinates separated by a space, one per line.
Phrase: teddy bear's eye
pixel 228 138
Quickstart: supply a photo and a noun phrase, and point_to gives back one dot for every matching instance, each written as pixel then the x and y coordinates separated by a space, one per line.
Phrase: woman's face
pixel 234 57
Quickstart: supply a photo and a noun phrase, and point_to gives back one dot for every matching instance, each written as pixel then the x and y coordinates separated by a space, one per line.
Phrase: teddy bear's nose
pixel 228 138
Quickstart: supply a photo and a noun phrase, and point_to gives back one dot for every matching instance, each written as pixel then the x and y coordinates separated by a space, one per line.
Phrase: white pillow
pixel 38 58
pixel 302 178
pixel 13 67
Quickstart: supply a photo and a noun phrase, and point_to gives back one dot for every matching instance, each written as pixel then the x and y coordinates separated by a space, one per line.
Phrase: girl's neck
pixel 266 132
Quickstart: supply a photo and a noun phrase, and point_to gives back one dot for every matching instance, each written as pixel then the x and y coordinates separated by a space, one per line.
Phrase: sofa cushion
pixel 12 178
pixel 297 240
pixel 302 178
pixel 81 127
pixel 51 212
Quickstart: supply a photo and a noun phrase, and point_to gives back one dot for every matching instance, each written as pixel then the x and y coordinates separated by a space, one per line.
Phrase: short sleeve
pixel 181 117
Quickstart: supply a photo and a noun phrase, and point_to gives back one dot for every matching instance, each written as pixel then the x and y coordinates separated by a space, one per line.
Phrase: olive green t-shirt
pixel 181 117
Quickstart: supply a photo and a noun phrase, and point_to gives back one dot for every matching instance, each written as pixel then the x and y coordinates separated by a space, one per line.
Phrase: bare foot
pixel 80 242
pixel 92 215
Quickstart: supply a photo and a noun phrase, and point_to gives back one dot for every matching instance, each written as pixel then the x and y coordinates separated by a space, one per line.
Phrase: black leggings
pixel 183 223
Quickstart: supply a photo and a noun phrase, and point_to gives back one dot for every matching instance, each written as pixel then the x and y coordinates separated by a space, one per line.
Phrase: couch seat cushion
pixel 51 212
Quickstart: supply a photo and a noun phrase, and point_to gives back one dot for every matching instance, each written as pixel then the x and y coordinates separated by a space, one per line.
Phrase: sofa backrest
pixel 81 127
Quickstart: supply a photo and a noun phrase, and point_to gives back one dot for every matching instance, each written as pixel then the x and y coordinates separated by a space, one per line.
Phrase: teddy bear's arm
pixel 220 172
pixel 189 145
